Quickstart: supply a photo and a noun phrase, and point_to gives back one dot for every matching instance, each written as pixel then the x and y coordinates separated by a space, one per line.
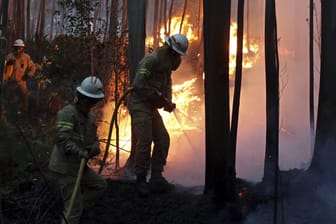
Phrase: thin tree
pixel 170 16
pixel 183 14
pixel 218 173
pixel 238 78
pixel 28 21
pixel 325 141
pixel 53 11
pixel 136 50
pixel 311 73
pixel 272 102
pixel 156 24
pixel 3 35
pixel 40 21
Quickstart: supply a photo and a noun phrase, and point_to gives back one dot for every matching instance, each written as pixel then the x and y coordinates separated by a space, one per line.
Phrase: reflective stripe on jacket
pixel 153 74
pixel 74 131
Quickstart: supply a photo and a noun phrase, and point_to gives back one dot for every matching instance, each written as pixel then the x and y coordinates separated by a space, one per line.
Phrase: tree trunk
pixel 219 176
pixel 53 11
pixel 3 37
pixel 28 21
pixel 325 141
pixel 113 20
pixel 156 24
pixel 19 21
pixel 311 73
pixel 96 16
pixel 170 16
pixel 124 20
pixel 183 15
pixel 238 78
pixel 136 47
pixel 41 22
pixel 272 104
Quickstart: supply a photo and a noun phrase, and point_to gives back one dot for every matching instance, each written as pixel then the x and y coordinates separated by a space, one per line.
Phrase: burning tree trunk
pixel 272 100
pixel 136 47
pixel 325 153
pixel 219 175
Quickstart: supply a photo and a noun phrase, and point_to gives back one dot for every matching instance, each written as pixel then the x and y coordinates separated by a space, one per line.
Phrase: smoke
pixel 187 164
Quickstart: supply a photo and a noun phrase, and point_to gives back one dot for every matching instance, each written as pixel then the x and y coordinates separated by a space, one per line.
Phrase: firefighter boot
pixel 158 184
pixel 142 186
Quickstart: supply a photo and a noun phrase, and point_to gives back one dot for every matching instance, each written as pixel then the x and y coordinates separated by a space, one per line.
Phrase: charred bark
pixel 219 176
pixel 325 153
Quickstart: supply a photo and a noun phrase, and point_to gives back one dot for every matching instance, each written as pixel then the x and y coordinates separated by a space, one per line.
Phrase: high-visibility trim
pixel 64 124
pixel 144 71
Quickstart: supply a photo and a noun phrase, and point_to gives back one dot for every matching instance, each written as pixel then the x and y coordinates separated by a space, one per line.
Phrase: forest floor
pixel 28 197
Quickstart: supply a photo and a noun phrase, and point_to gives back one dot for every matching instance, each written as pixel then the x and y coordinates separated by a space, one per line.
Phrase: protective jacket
pixel 20 65
pixel 74 132
pixel 153 76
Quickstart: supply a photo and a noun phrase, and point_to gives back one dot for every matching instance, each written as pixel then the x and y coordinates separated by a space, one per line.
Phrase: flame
pixel 187 115
pixel 250 46
pixel 175 24
pixel 181 120
pixel 250 50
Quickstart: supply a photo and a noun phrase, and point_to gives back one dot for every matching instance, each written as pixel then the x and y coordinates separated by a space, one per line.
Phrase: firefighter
pixel 76 138
pixel 19 67
pixel 153 90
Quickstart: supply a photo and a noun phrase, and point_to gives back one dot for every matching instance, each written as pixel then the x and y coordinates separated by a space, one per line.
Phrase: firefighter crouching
pixel 76 138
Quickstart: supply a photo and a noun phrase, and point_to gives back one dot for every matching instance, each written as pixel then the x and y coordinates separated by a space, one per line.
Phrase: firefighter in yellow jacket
pixel 19 67
pixel 152 89
pixel 76 138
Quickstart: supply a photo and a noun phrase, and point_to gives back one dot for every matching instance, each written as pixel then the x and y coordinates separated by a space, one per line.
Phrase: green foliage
pixel 78 15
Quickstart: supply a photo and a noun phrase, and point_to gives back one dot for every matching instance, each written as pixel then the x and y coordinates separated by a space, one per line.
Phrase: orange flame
pixel 183 96
pixel 250 50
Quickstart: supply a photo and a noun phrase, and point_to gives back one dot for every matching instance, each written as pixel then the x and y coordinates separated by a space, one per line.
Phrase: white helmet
pixel 178 42
pixel 18 43
pixel 91 87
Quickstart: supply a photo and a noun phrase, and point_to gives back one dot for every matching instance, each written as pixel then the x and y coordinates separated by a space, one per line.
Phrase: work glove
pixel 169 106
pixel 82 154
pixel 93 150
pixel 157 99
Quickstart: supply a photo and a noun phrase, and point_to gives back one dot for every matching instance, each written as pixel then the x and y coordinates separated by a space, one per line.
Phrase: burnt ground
pixel 35 201
pixel 28 198
pixel 122 204
pixel 301 201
